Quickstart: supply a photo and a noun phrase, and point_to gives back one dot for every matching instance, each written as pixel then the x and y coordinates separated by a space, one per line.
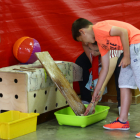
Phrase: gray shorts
pixel 130 76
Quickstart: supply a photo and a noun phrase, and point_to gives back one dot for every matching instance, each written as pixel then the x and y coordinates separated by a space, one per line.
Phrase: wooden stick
pixel 27 68
pixel 61 82
pixel 24 70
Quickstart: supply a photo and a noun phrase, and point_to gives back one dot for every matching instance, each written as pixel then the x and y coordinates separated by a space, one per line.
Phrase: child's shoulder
pixel 102 26
pixel 105 23
pixel 100 23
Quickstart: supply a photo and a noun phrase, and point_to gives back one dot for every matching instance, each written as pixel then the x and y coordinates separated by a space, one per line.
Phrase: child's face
pixel 93 49
pixel 86 37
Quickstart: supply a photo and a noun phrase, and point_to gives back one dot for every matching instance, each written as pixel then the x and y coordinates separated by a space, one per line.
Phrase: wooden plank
pixel 61 82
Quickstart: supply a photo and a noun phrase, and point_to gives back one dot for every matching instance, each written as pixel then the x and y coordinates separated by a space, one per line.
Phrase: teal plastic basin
pixel 66 116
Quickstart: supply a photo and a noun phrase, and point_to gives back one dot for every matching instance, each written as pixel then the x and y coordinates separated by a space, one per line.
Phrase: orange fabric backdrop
pixel 49 22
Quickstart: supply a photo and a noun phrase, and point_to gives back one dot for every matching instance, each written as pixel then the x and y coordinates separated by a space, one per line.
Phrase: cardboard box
pixel 28 88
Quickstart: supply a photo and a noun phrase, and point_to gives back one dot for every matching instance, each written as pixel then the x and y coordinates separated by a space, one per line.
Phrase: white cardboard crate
pixel 33 90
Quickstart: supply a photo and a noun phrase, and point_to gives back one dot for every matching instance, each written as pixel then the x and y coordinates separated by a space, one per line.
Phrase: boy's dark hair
pixel 77 25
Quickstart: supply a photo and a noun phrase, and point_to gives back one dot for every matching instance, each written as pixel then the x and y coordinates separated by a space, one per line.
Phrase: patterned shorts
pixel 130 76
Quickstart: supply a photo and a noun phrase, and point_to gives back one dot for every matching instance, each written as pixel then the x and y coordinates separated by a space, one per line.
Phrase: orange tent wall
pixel 49 22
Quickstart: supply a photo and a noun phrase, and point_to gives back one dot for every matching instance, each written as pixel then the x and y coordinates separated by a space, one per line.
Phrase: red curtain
pixel 49 22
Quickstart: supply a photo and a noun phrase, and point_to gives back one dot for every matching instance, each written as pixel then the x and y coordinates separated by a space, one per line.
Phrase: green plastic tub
pixel 66 116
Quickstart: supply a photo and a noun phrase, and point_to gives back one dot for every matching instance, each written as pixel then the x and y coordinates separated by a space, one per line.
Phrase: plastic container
pixel 14 124
pixel 66 116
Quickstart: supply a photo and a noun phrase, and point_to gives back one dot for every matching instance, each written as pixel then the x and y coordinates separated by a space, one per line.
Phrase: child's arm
pixel 101 79
pixel 112 66
pixel 123 33
pixel 102 76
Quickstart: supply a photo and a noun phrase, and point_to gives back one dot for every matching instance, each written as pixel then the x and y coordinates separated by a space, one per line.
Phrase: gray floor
pixel 52 131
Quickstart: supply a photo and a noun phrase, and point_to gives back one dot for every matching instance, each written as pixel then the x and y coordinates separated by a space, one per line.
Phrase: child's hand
pixel 125 62
pixel 90 108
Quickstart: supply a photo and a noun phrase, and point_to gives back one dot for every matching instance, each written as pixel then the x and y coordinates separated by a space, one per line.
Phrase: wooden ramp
pixel 61 83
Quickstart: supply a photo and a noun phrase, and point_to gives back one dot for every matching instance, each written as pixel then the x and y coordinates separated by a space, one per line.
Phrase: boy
pixel 114 35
